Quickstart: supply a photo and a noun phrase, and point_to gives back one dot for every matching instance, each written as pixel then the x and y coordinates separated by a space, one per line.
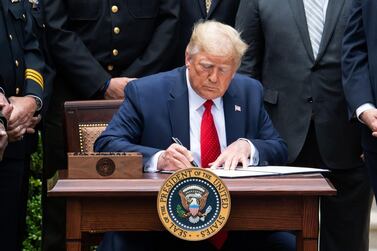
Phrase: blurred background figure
pixel 360 76
pixel 97 48
pixel 21 99
pixel 295 51
pixel 191 11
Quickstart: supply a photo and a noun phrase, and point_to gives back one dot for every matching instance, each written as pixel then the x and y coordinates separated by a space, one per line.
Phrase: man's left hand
pixel 238 151
pixel 23 111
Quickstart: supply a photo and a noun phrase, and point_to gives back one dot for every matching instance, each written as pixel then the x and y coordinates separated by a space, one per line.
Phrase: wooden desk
pixel 264 203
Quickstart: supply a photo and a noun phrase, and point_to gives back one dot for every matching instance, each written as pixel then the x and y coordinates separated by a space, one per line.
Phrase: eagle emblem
pixel 193 200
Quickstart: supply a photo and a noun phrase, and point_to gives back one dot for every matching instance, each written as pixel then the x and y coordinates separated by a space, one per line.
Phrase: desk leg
pixel 307 240
pixel 73 225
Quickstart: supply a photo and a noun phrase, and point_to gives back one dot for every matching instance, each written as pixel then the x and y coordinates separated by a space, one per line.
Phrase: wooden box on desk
pixel 105 165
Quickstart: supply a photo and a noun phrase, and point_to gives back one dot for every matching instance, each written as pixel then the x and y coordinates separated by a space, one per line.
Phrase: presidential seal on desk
pixel 193 204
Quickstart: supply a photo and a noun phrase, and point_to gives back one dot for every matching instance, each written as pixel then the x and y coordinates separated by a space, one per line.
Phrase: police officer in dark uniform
pixel 22 83
pixel 97 47
pixel 40 30
pixel 192 11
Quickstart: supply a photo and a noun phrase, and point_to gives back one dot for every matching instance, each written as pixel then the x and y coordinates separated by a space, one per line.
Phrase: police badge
pixel 193 204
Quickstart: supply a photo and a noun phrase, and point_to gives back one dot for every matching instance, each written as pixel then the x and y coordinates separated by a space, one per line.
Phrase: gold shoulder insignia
pixel 35 76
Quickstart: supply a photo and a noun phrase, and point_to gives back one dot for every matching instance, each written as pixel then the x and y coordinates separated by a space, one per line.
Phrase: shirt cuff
pixel 151 165
pixel 363 108
pixel 254 153
pixel 38 101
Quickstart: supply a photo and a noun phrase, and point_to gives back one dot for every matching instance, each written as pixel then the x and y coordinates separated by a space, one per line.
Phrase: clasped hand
pixel 369 117
pixel 116 88
pixel 22 119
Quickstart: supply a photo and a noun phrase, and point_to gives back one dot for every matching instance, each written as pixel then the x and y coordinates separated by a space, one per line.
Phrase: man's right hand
pixel 116 88
pixel 369 117
pixel 3 140
pixel 5 107
pixel 174 158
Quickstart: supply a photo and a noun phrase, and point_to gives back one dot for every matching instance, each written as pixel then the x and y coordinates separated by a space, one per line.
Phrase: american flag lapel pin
pixel 237 108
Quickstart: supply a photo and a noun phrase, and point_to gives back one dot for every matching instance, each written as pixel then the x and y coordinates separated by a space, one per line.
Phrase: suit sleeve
pixel 34 61
pixel 249 24
pixel 73 58
pixel 271 147
pixel 355 67
pixel 158 53
pixel 123 134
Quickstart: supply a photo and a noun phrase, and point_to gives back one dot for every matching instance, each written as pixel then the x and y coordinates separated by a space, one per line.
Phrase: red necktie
pixel 209 141
pixel 210 150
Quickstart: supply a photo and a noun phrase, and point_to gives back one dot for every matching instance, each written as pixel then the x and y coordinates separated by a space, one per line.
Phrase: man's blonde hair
pixel 217 39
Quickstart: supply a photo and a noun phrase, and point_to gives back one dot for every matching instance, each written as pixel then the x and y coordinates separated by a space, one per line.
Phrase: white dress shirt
pixel 196 110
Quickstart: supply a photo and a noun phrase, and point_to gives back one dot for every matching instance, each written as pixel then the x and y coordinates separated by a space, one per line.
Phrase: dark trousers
pixel 370 155
pixel 53 208
pixel 13 193
pixel 344 222
pixel 237 240
pixel 54 221
pixel 371 163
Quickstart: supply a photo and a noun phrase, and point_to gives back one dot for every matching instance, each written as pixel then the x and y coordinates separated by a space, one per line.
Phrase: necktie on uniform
pixel 315 20
pixel 208 5
pixel 210 150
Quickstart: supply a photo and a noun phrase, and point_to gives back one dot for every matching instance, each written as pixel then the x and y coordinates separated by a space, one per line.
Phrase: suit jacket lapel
pixel 214 4
pixel 334 8
pixel 179 110
pixel 234 112
pixel 298 10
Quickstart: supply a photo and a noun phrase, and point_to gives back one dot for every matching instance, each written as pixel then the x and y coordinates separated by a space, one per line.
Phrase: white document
pixel 237 173
pixel 282 169
pixel 255 171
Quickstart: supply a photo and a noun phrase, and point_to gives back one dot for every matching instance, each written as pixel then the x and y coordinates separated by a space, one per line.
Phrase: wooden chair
pixel 85 121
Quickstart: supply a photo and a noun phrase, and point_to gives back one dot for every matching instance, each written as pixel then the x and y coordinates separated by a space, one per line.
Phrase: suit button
pixel 23 16
pixel 17 91
pixel 114 9
pixel 110 67
pixel 115 52
pixel 116 30
pixel 16 63
pixel 10 37
pixel 310 100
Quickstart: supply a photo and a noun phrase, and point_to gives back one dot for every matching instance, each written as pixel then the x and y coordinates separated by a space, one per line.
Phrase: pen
pixel 176 140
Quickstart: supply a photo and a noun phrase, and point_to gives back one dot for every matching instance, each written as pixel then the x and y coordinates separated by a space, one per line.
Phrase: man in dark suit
pixel 97 47
pixel 21 84
pixel 295 50
pixel 204 98
pixel 360 76
pixel 191 11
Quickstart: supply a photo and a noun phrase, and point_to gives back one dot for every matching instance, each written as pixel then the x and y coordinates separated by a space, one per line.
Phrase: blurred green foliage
pixel 33 239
